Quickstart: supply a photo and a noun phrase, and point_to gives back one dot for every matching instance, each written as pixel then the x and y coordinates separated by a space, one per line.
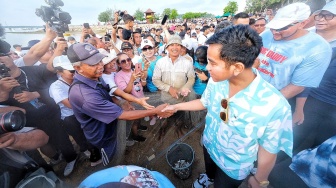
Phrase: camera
pixel 57 19
pixel 12 121
pixel 120 13
pixel 4 72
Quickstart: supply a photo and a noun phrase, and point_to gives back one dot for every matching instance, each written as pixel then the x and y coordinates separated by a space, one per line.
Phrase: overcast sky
pixel 22 12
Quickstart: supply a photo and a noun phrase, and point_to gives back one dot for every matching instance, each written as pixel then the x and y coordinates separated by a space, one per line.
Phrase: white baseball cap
pixel 331 7
pixel 146 42
pixel 186 43
pixel 109 56
pixel 289 14
pixel 63 61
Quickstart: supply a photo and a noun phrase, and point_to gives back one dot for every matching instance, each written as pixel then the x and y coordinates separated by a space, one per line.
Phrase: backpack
pixel 41 178
pixel 16 166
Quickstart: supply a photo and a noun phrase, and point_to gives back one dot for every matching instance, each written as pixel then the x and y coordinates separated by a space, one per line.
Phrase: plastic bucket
pixel 180 158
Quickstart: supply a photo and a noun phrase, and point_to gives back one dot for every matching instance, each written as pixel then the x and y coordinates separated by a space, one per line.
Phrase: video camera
pixel 57 19
pixel 12 121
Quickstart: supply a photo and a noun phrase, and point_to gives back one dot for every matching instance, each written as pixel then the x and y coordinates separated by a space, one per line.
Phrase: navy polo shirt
pixel 97 114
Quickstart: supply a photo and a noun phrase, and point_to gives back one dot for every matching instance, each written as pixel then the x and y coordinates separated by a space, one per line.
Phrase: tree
pixel 232 7
pixel 105 16
pixel 261 5
pixel 173 14
pixel 157 16
pixel 166 11
pixel 192 15
pixel 139 14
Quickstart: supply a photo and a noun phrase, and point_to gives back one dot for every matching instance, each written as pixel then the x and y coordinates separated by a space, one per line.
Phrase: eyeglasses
pixel 285 28
pixel 129 60
pixel 145 49
pixel 71 71
pixel 259 25
pixel 224 115
pixel 319 17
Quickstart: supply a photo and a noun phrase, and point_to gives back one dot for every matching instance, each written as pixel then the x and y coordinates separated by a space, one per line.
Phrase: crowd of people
pixel 266 81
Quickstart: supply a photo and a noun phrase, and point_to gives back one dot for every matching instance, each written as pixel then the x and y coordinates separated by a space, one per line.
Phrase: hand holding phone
pixel 165 17
pixel 198 70
pixel 86 25
pixel 138 68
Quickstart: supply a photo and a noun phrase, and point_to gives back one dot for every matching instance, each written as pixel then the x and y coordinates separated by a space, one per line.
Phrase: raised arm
pixel 39 49
pixel 61 45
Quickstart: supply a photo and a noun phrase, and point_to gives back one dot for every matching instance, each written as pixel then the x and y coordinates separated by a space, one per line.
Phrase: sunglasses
pixel 285 28
pixel 145 49
pixel 129 60
pixel 224 115
pixel 325 16
pixel 259 25
pixel 71 71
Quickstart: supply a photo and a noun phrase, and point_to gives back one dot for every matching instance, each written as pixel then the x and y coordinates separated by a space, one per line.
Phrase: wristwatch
pixel 264 183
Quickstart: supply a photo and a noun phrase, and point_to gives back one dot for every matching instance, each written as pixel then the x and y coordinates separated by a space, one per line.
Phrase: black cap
pixel 126 45
pixel 4 48
pixel 31 43
pixel 16 45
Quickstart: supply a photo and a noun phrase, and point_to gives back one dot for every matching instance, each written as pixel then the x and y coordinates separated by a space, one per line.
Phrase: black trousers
pixel 48 119
pixel 214 172
pixel 73 128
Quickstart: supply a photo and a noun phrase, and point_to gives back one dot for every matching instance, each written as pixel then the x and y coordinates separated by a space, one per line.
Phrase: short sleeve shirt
pixel 94 109
pixel 301 61
pixel 257 115
pixel 150 85
pixel 122 79
pixel 109 79
pixel 59 91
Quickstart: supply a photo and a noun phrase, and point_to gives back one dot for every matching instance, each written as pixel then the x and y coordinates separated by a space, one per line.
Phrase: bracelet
pixel 264 183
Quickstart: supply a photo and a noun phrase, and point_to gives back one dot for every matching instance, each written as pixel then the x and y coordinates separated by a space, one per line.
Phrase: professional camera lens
pixel 12 121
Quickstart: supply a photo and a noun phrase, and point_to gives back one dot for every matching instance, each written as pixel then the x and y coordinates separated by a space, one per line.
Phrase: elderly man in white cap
pixel 293 58
pixel 174 76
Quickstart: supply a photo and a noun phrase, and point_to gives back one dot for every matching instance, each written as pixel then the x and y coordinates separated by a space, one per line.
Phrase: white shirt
pixel 59 91
pixel 109 79
pixel 135 59
pixel 20 62
pixel 202 39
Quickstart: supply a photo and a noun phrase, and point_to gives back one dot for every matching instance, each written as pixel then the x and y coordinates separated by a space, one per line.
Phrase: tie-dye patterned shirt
pixel 257 115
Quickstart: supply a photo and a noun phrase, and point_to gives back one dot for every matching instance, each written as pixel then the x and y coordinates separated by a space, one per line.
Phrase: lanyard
pixel 64 82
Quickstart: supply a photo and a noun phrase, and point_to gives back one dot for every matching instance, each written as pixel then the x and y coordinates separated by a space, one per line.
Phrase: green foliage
pixel 261 5
pixel 105 16
pixel 157 16
pixel 192 15
pixel 232 7
pixel 166 11
pixel 173 14
pixel 139 15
